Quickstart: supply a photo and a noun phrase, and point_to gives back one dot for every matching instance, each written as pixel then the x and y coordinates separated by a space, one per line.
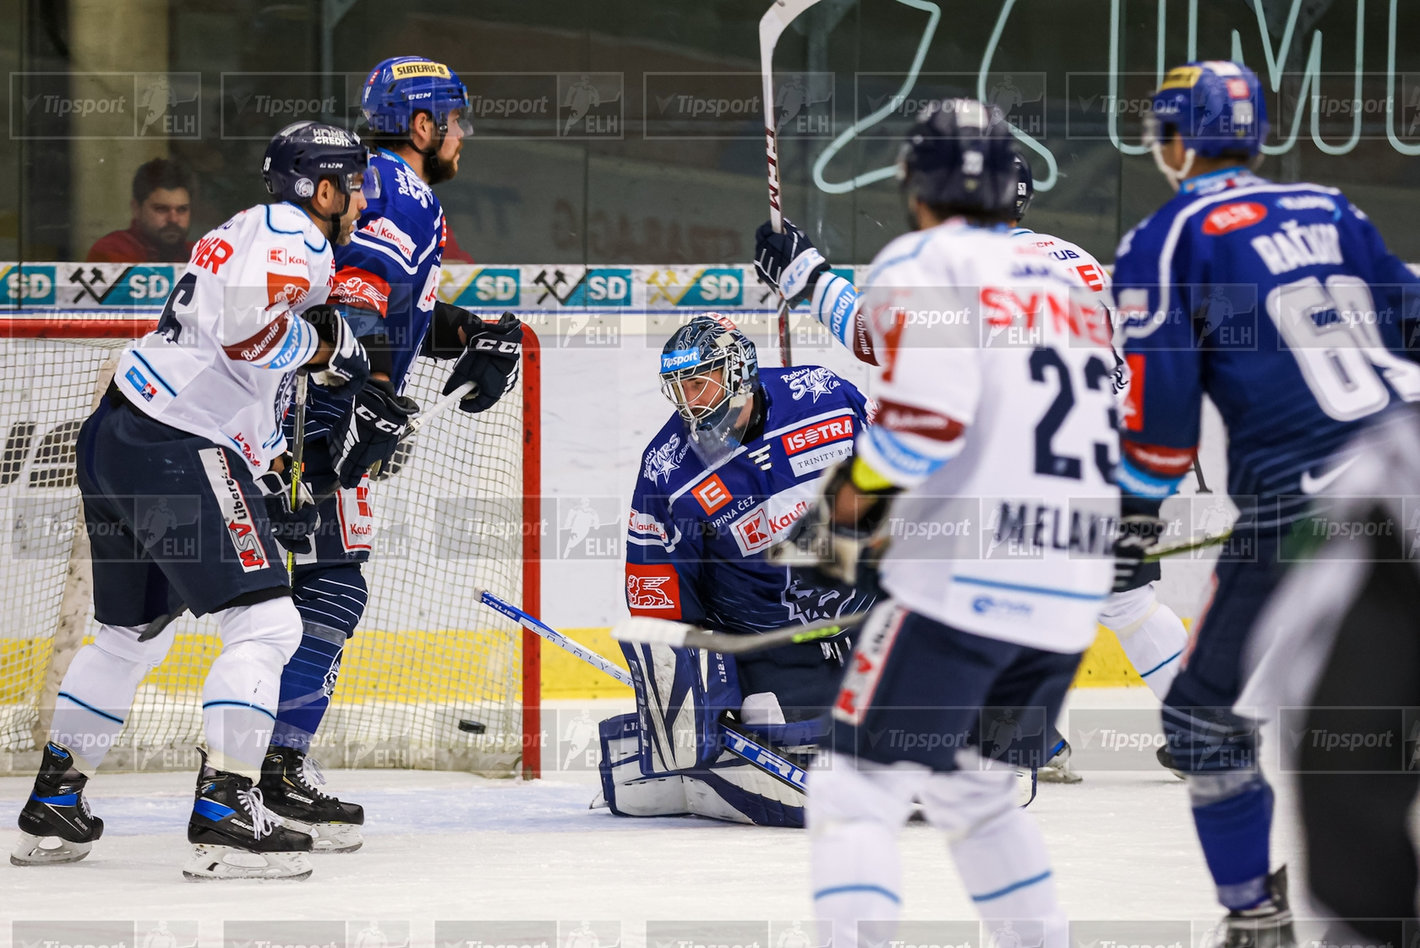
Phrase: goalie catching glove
pixel 377 421
pixel 839 534
pixel 787 262
pixel 349 365
pixel 489 361
pixel 293 527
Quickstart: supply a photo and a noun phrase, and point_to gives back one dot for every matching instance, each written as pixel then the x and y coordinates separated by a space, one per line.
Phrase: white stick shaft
pixel 538 627
pixel 771 26
pixel 441 406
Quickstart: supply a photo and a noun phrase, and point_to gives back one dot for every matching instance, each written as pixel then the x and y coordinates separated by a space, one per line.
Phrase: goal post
pixel 430 680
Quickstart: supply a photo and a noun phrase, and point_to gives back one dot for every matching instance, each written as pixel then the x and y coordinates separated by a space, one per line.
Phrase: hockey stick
pixel 1198 473
pixel 771 26
pixel 298 457
pixel 736 741
pixel 1160 551
pixel 683 635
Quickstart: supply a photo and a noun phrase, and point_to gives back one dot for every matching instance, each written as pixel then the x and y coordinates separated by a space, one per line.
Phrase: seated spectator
pixel 162 212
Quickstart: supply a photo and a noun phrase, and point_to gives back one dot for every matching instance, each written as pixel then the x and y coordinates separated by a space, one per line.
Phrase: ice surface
pixel 442 847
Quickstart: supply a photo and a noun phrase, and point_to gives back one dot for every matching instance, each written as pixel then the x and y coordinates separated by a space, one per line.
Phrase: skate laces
pixel 313 777
pixel 262 822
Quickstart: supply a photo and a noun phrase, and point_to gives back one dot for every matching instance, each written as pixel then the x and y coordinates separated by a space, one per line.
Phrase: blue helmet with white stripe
pixel 1215 106
pixel 710 372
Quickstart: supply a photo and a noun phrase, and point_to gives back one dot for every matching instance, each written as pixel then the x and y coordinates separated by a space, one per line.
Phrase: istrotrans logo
pixel 812 436
pixel 241 526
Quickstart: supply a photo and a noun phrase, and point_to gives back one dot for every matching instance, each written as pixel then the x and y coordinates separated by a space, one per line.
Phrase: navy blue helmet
pixel 710 372
pixel 301 154
pixel 1025 187
pixel 960 154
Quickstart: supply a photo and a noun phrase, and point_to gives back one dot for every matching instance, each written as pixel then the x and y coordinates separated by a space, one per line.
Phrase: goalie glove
pixel 1139 529
pixel 293 528
pixel 349 365
pixel 376 423
pixel 489 361
pixel 843 552
pixel 787 262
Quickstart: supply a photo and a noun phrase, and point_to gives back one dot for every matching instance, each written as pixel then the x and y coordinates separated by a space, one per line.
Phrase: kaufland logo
pixel 679 359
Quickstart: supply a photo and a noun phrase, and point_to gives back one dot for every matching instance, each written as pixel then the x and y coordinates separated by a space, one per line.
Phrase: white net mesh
pixel 426 656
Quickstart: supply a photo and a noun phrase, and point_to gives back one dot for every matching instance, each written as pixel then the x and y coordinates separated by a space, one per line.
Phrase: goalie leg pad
pixel 730 790
pixel 626 791
pixel 680 696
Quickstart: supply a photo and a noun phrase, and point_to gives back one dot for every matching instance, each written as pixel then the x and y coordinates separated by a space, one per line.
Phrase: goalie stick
pixel 735 740
pixel 771 26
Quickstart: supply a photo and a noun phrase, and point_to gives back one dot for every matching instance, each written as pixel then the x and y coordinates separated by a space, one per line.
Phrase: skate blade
pixel 1058 775
pixel 328 837
pixel 209 862
pixel 47 851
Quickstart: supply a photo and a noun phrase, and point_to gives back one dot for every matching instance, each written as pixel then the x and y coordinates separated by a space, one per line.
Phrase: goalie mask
pixel 710 372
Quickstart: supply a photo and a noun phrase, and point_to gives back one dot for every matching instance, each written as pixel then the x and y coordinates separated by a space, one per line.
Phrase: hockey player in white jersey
pixel 1151 634
pixel 996 418
pixel 193 422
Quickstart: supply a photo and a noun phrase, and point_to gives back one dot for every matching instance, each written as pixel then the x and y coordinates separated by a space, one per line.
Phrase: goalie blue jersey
pixel 697 537
pixel 390 271
pixel 1283 305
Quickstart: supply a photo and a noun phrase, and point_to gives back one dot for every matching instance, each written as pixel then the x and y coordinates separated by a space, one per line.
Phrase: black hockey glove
pixel 846 553
pixel 377 420
pixel 1139 528
pixel 787 262
pixel 349 364
pixel 294 528
pixel 490 362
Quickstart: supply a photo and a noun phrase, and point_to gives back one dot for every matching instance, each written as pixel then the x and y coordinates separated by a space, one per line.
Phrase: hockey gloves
pixel 377 420
pixel 293 528
pixel 787 262
pixel 1139 529
pixel 839 538
pixel 349 364
pixel 489 361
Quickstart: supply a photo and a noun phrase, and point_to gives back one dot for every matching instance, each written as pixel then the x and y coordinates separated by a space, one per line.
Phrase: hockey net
pixel 431 679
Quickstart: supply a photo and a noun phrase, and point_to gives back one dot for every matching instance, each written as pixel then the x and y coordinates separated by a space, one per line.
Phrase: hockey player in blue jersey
pixel 720 483
pixel 1282 304
pixel 387 279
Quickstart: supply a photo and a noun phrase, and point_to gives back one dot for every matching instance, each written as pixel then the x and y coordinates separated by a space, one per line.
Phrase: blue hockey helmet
pixel 960 154
pixel 712 351
pixel 1025 187
pixel 303 153
pixel 403 85
pixel 1215 106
